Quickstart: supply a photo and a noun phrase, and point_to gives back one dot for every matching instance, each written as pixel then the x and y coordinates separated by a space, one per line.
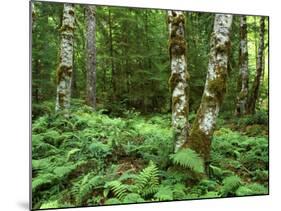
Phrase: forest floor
pixel 92 159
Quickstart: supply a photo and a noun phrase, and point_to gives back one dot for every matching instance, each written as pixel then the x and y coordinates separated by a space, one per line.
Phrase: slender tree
pixel 215 87
pixel 64 70
pixel 91 55
pixel 242 97
pixel 252 100
pixel 179 76
pixel 111 49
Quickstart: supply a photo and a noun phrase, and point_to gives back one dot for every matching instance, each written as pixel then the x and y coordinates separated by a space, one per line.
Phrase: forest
pixel 134 105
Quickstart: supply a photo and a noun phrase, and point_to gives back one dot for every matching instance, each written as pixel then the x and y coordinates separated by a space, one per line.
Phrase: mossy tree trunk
pixel 243 84
pixel 215 87
pixel 179 77
pixel 91 55
pixel 256 85
pixel 64 70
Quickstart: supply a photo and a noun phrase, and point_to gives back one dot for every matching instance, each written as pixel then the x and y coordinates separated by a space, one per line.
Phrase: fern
pixel 211 194
pixel 50 204
pixel 164 193
pixel 120 190
pixel 100 150
pixel 230 185
pixel 188 158
pixel 127 175
pixel 113 201
pixel 147 181
pixel 72 153
pixel 42 180
pixel 179 191
pixel 84 187
pixel 133 198
pixel 251 189
pixel 63 171
pixel 257 188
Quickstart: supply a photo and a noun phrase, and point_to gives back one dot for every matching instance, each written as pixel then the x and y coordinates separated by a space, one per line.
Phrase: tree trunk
pixel 113 81
pixel 215 87
pixel 256 85
pixel 91 55
pixel 179 77
pixel 242 97
pixel 64 70
pixel 74 88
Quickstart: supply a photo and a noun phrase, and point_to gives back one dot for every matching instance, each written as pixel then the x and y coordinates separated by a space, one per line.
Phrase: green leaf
pixel 188 158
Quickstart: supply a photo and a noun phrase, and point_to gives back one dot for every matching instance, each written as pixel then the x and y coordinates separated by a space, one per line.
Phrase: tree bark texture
pixel 91 55
pixel 215 87
pixel 241 106
pixel 179 77
pixel 256 85
pixel 64 70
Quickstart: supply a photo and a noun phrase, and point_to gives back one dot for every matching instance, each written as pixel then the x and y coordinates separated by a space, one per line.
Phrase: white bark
pixel 217 71
pixel 64 71
pixel 215 86
pixel 179 76
pixel 243 60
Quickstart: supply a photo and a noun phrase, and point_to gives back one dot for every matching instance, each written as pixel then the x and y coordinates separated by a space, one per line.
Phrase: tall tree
pixel 111 49
pixel 242 97
pixel 256 85
pixel 64 70
pixel 179 76
pixel 91 55
pixel 215 87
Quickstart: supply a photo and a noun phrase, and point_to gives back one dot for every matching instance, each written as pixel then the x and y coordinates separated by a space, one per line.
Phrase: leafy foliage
pixel 188 158
pixel 85 164
pixel 147 181
pixel 230 185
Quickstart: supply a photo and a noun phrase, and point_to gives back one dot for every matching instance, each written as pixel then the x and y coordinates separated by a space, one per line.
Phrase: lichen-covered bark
pixel 91 55
pixel 256 85
pixel 215 86
pixel 242 97
pixel 179 77
pixel 64 70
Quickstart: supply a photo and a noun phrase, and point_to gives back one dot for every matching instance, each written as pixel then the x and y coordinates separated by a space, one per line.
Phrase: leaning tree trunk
pixel 256 85
pixel 91 55
pixel 215 87
pixel 179 77
pixel 242 97
pixel 64 71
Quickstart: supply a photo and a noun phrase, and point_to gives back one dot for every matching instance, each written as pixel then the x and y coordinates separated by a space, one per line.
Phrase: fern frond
pixel 147 181
pixel 88 184
pixel 179 191
pixel 113 201
pixel 164 193
pixel 133 198
pixel 251 189
pixel 63 171
pixel 188 158
pixel 50 204
pixel 117 188
pixel 42 180
pixel 230 184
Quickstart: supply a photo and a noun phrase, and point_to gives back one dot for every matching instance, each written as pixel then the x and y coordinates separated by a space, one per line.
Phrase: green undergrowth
pixel 92 159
